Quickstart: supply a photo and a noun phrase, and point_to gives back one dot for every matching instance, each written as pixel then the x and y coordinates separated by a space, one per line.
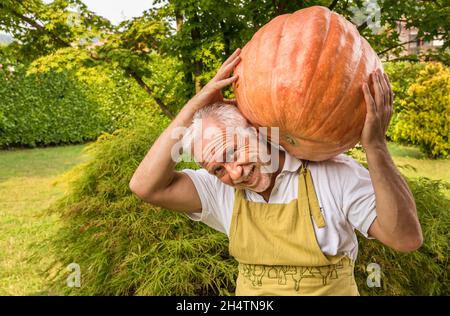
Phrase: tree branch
pixel 35 25
pixel 147 89
pixel 333 5
pixel 407 58
pixel 280 7
pixel 198 64
pixel 395 46
pixel 362 26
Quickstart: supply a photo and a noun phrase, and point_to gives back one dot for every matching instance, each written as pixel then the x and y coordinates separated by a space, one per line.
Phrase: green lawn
pixel 413 163
pixel 28 186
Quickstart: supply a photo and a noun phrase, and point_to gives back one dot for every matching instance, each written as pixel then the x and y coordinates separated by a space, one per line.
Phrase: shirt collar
pixel 291 164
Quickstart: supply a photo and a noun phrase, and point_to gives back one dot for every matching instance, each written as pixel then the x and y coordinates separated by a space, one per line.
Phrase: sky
pixel 117 10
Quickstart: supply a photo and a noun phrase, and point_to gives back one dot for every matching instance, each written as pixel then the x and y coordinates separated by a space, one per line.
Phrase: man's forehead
pixel 214 149
pixel 211 130
pixel 215 139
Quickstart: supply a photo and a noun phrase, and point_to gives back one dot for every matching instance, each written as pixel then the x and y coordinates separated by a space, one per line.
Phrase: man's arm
pixel 397 224
pixel 155 180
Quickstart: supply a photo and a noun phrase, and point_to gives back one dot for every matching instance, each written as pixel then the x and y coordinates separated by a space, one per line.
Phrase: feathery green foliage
pixel 423 272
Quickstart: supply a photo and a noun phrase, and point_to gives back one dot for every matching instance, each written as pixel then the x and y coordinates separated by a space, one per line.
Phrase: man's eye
pixel 218 171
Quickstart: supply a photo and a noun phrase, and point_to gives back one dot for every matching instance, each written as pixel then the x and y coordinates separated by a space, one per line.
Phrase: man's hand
pixel 379 110
pixel 396 224
pixel 212 91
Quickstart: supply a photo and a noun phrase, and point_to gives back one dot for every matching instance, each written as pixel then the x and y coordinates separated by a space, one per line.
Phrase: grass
pixel 414 164
pixel 27 187
pixel 38 162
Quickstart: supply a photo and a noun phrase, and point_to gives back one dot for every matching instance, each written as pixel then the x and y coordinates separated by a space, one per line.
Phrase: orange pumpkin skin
pixel 303 72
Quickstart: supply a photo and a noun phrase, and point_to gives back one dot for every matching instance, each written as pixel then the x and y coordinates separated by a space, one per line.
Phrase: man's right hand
pixel 155 180
pixel 212 91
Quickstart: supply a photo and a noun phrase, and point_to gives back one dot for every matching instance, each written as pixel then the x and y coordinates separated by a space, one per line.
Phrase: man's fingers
pixel 232 56
pixel 370 102
pixel 384 87
pixel 391 94
pixel 230 101
pixel 225 82
pixel 391 100
pixel 225 70
pixel 378 90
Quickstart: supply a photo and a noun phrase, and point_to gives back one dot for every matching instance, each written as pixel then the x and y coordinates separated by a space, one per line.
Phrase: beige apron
pixel 277 250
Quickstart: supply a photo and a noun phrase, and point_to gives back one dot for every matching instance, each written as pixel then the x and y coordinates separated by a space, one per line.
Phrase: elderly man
pixel 290 224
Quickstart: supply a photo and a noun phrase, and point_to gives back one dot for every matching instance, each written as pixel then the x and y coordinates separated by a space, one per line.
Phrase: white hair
pixel 225 116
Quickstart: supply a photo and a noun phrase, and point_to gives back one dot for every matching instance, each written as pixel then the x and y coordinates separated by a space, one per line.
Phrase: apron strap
pixel 307 189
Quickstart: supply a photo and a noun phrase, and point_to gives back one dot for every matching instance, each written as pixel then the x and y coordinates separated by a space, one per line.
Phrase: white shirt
pixel 343 188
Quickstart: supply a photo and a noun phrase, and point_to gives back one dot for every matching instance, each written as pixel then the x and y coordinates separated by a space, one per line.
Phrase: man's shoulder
pixel 342 159
pixel 216 197
pixel 340 164
pixel 203 173
pixel 205 178
pixel 339 161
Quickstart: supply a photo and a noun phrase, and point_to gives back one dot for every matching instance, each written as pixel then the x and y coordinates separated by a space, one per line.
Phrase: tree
pixel 430 18
pixel 198 33
pixel 207 29
pixel 67 31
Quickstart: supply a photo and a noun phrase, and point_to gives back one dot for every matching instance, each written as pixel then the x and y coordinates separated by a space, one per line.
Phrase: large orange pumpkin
pixel 303 72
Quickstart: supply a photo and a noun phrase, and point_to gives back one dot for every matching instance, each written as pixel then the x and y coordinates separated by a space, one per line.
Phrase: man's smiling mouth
pixel 249 176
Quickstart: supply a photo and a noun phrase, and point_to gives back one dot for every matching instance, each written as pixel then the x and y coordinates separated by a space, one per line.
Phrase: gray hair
pixel 225 115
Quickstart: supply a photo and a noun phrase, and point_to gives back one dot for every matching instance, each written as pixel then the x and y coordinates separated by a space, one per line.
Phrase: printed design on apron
pixel 291 275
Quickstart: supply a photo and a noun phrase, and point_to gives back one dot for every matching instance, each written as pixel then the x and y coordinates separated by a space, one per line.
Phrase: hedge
pixel 54 108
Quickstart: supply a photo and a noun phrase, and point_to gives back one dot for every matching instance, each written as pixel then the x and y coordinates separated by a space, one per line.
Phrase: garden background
pixel 82 100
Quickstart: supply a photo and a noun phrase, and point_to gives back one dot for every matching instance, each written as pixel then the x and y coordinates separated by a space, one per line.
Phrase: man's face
pixel 233 157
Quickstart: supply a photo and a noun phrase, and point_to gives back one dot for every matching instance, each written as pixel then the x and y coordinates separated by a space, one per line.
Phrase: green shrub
pixel 402 74
pixel 424 118
pixel 127 247
pixel 423 272
pixel 47 109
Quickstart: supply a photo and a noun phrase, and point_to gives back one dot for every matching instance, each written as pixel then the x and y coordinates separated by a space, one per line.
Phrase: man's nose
pixel 234 170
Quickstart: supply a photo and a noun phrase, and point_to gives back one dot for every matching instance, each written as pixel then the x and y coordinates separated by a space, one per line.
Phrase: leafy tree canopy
pixel 198 33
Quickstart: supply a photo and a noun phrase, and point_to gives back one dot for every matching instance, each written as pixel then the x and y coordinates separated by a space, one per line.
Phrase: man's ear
pixel 230 101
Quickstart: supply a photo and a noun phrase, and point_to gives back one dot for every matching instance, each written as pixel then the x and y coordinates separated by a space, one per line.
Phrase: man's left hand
pixel 379 110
